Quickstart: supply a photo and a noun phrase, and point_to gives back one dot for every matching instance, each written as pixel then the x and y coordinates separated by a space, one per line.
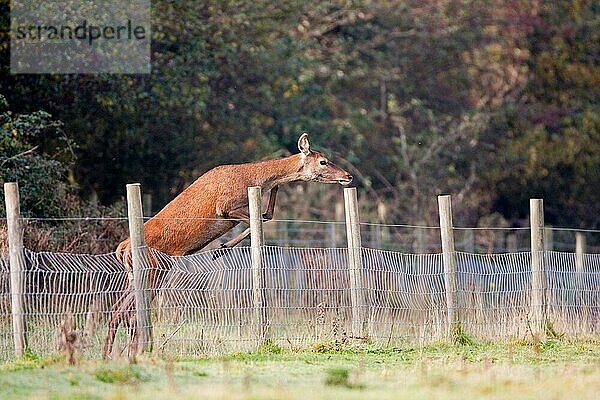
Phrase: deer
pixel 209 208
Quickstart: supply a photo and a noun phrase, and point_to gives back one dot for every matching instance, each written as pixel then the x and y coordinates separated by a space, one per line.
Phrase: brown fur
pixel 199 214
pixel 215 203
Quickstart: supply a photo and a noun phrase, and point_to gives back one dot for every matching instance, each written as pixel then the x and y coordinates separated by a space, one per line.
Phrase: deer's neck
pixel 276 172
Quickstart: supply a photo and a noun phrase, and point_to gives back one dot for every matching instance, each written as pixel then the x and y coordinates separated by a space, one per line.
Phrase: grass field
pixel 544 370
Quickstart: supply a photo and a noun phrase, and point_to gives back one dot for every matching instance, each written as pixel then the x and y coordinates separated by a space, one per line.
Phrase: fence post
pixel 582 301
pixel 538 284
pixel 17 266
pixel 140 265
pixel 258 273
pixel 449 259
pixel 357 295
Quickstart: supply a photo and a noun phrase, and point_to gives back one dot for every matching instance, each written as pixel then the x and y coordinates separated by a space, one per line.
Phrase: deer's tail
pixel 123 251
pixel 123 254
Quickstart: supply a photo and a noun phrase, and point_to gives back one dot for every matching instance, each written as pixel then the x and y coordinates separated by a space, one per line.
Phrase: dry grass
pixel 3 241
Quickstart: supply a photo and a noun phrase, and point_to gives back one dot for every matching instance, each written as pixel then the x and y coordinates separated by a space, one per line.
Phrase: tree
pixel 40 174
pixel 551 144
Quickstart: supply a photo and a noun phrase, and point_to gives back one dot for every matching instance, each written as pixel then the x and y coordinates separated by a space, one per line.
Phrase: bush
pixel 127 374
pixel 36 153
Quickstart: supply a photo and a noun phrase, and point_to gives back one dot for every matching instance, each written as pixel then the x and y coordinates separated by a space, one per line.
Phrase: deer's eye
pixel 323 162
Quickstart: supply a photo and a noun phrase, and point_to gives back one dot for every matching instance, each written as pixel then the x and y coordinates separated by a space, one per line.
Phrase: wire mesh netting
pixel 203 303
pixel 57 285
pixel 6 337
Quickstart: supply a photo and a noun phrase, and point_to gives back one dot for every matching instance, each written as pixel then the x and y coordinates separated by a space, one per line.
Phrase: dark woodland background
pixel 493 102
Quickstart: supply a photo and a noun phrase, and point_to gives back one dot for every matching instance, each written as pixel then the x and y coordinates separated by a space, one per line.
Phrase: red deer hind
pixel 210 207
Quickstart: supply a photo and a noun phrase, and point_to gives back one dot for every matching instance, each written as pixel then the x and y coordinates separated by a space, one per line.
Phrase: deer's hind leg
pixel 243 214
pixel 123 311
pixel 268 214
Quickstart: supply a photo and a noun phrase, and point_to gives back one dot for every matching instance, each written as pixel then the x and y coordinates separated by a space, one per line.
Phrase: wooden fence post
pixel 538 279
pixel 258 273
pixel 580 284
pixel 140 266
pixel 449 259
pixel 17 266
pixel 355 265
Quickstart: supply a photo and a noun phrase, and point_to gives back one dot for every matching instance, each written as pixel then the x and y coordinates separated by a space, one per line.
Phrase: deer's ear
pixel 304 144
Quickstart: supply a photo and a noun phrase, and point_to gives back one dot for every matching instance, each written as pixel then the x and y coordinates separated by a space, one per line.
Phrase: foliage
pixel 545 143
pixel 338 376
pixel 492 101
pixel 40 174
pixel 461 337
pixel 30 360
pixel 90 228
pixel 123 374
pixel 269 347
pixel 36 153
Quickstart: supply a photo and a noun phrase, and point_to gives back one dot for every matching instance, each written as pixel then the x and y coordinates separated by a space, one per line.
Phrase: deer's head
pixel 317 168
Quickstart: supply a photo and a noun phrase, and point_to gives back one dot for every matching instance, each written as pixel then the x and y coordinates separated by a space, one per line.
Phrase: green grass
pixel 552 369
pixel 121 374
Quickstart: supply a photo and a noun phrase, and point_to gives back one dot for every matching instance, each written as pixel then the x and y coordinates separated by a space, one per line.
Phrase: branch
pixel 342 18
pixel 470 181
pixel 19 155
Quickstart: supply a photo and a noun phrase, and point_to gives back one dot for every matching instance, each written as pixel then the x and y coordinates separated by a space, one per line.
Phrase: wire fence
pixel 421 239
pixel 100 235
pixel 203 303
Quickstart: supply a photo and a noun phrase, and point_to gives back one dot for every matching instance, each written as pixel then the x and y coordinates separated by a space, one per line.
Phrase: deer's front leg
pixel 268 215
pixel 243 214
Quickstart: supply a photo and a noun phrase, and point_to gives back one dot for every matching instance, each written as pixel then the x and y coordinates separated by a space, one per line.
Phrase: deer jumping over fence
pixel 210 207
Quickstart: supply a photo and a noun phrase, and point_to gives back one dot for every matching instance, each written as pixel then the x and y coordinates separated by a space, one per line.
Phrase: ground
pixel 553 369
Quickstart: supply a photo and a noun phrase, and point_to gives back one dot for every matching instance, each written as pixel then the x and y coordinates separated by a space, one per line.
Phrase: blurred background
pixel 494 102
